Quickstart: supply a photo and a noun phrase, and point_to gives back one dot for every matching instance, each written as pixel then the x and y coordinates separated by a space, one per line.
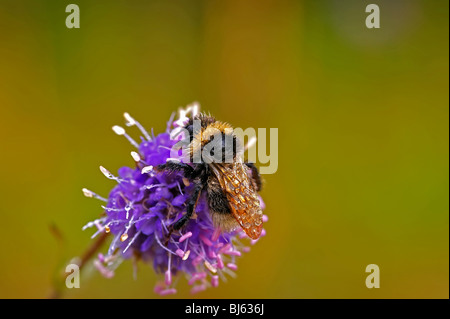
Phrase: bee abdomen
pixel 217 199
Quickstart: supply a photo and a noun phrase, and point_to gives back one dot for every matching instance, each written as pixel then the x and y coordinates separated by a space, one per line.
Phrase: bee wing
pixel 242 197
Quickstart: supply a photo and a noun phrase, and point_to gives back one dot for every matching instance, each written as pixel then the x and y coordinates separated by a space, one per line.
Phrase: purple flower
pixel 141 207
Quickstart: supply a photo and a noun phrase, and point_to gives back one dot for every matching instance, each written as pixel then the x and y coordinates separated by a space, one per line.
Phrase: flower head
pixel 141 207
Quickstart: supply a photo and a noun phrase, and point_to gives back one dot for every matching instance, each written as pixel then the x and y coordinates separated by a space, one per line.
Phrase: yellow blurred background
pixel 363 135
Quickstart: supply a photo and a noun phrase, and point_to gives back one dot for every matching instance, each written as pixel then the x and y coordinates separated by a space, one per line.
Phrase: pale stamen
pixel 135 157
pixel 198 288
pixel 113 245
pixel 131 121
pixel 168 274
pixel 197 260
pixel 118 130
pixel 210 267
pixel 206 240
pixel 182 118
pixel 158 288
pixel 152 186
pixel 169 291
pixel 128 208
pixel 164 247
pixel 184 237
pixel 147 169
pixel 132 240
pixel 107 273
pixel 91 194
pixel 153 134
pixel 165 147
pixel 109 175
pixel 232 266
pixel 229 272
pixel 195 277
pixel 180 253
pixel 110 209
pixel 93 223
pixel 192 108
pixel 186 255
pixel 124 237
pixel 169 123
pixel 220 264
pixel 215 281
pixel 233 253
pixel 245 249
pixel 121 131
pixel 225 248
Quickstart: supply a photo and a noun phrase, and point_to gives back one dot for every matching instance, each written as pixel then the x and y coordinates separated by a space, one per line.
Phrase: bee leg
pixel 191 204
pixel 168 235
pixel 255 176
pixel 172 166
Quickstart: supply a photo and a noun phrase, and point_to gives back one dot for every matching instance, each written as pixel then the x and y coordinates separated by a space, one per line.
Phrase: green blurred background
pixel 363 135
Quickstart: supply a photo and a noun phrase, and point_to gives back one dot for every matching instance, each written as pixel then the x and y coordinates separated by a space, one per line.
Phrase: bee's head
pixel 212 141
pixel 219 145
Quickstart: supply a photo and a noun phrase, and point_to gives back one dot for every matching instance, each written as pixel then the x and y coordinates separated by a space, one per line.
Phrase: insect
pixel 231 185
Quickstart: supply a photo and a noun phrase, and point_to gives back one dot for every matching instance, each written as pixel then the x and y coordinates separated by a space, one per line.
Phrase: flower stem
pixel 57 292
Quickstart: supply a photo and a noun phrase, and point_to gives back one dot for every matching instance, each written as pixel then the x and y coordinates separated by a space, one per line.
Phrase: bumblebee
pixel 231 186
